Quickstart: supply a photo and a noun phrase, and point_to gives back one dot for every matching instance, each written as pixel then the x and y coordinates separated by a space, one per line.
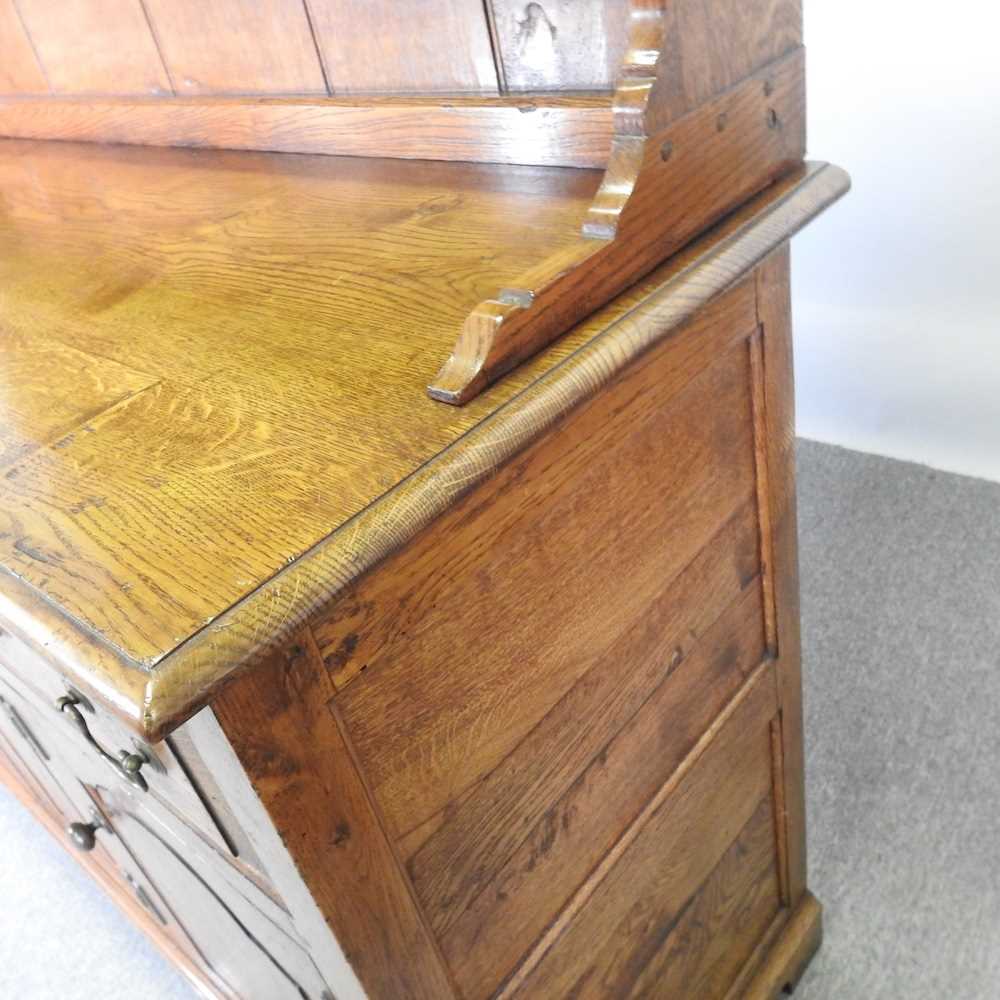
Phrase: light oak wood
pixel 359 695
pixel 20 71
pixel 422 608
pixel 125 60
pixel 633 899
pixel 548 131
pixel 292 746
pixel 125 900
pixel 213 322
pixel 667 179
pixel 787 960
pixel 236 46
pixel 560 45
pixel 380 45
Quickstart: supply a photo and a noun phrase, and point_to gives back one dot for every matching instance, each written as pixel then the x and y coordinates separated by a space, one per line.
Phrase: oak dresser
pixel 398 583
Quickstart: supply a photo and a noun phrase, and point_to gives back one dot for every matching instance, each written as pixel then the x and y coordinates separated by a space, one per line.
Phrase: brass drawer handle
pixel 24 729
pixel 128 765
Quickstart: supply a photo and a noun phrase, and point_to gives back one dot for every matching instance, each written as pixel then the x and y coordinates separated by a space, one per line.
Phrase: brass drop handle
pixel 83 835
pixel 128 765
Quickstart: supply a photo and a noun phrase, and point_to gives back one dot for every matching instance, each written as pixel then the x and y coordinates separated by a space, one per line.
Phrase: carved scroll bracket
pixel 672 173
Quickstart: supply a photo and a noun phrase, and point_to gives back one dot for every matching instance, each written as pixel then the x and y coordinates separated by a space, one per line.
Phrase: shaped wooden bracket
pixel 674 170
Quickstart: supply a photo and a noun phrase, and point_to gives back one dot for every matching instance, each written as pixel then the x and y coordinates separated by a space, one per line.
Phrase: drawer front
pixel 99 735
pixel 247 950
pixel 243 942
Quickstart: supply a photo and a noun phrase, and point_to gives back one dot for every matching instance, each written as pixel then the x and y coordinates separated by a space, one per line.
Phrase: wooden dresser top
pixel 211 362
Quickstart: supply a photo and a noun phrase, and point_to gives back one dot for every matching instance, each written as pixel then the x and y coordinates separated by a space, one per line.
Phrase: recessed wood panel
pixel 237 46
pixel 511 901
pixel 20 72
pixel 474 633
pixel 379 46
pixel 95 46
pixel 633 906
pixel 560 44
pixel 719 928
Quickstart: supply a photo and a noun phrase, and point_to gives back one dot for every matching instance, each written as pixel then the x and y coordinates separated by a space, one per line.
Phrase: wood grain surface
pixel 236 46
pixel 560 44
pixel 530 571
pixel 294 752
pixel 259 304
pixel 228 398
pixel 20 70
pixel 95 47
pixel 637 896
pixel 556 131
pixel 663 185
pixel 380 46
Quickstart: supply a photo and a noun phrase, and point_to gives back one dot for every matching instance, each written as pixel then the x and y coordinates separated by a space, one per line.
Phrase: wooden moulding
pixel 663 185
pixel 556 131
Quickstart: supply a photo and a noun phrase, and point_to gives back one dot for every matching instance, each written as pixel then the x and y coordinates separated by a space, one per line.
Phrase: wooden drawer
pixel 171 795
pixel 168 776
pixel 243 942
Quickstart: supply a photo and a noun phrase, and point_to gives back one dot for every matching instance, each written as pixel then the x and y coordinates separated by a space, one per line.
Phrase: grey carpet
pixel 901 618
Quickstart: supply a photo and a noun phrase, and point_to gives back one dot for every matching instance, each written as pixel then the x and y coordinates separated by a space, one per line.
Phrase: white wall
pixel 897 288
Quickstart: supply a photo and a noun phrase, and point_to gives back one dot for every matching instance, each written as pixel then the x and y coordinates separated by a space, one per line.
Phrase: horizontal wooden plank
pixel 513 575
pixel 634 900
pixel 516 902
pixel 542 131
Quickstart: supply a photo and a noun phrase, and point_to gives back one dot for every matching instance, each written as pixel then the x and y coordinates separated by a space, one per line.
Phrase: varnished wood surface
pixel 688 146
pixel 560 44
pixel 649 205
pixel 200 982
pixel 210 361
pixel 545 131
pixel 236 46
pixel 310 46
pixel 271 373
pixel 20 70
pixel 380 46
pixel 95 47
pixel 293 749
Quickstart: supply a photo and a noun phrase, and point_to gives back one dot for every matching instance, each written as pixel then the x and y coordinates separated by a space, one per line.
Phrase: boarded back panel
pixel 381 46
pixel 560 44
pixel 20 72
pixel 237 46
pixel 95 46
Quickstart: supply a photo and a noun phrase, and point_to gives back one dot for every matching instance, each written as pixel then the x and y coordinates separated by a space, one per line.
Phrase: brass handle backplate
pixel 128 765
